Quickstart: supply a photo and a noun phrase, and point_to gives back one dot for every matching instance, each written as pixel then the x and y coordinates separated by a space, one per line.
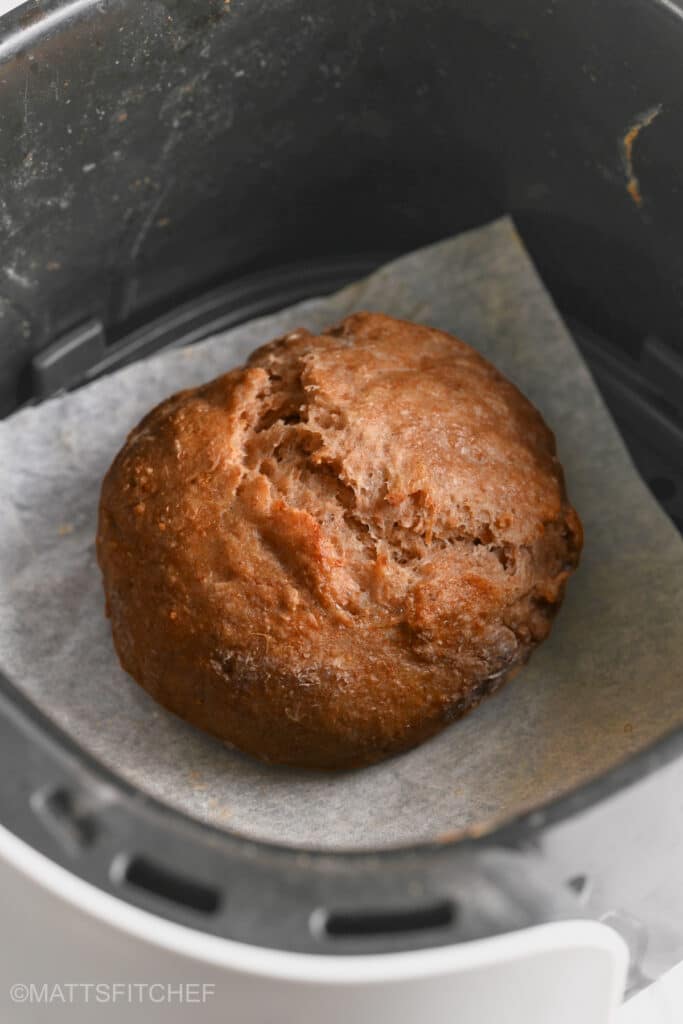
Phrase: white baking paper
pixel 606 683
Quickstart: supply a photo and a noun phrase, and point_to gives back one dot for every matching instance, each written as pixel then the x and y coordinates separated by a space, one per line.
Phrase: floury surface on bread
pixel 326 556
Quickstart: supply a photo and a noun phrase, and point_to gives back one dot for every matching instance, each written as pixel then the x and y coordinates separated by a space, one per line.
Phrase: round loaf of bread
pixel 328 555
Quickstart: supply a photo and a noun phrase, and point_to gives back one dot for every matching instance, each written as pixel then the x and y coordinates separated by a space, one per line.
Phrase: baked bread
pixel 328 555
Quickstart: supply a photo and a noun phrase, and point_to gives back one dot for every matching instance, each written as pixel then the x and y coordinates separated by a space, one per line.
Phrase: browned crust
pixel 326 556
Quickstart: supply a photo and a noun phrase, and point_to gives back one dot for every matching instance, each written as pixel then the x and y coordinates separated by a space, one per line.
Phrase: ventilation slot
pixel 68 814
pixel 355 924
pixel 145 874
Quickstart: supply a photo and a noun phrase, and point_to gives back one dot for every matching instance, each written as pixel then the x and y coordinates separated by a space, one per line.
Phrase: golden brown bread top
pixel 356 530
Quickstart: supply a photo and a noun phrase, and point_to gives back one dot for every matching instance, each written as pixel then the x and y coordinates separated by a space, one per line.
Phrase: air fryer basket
pixel 174 167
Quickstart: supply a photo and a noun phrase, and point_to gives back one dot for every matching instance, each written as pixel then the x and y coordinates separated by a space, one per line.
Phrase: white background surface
pixel 661 1003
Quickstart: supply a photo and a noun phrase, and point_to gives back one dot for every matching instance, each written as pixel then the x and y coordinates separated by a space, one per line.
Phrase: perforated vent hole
pixel 67 813
pixel 354 924
pixel 153 878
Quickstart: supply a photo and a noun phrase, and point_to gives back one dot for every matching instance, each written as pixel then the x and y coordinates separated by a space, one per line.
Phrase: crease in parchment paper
pixel 606 683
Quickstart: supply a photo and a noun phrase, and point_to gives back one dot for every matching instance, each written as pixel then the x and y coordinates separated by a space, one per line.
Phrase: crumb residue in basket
pixel 628 142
